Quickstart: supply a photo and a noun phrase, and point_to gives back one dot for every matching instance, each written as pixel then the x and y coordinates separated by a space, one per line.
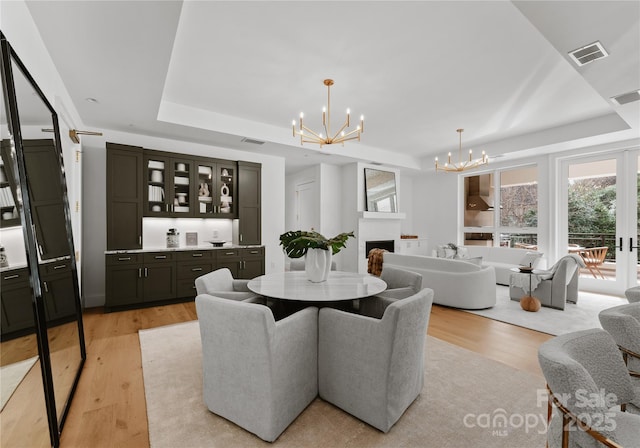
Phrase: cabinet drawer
pixel 191 271
pixel 15 277
pixel 116 259
pixel 55 268
pixel 154 257
pixel 253 252
pixel 224 254
pixel 190 255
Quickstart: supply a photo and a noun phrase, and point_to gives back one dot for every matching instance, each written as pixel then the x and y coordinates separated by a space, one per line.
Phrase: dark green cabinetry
pixel 9 216
pixel 249 198
pixel 16 303
pixel 191 265
pixel 134 279
pixel 58 293
pixel 124 197
pixel 47 197
pixel 244 263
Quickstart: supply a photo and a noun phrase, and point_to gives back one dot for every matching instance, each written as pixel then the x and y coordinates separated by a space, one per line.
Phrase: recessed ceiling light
pixel 91 100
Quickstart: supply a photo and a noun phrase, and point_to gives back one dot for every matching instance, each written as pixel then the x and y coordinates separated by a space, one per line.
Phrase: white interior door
pixel 307 208
pixel 599 200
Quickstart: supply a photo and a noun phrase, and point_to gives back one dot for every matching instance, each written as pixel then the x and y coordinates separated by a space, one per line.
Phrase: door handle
pixel 620 246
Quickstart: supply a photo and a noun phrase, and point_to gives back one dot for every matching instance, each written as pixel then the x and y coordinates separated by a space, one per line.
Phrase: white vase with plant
pixel 317 250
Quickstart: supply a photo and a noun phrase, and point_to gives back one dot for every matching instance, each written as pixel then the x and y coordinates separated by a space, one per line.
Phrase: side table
pixel 528 302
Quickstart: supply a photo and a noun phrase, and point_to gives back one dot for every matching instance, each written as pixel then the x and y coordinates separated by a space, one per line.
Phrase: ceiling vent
pixel 627 97
pixel 588 53
pixel 252 141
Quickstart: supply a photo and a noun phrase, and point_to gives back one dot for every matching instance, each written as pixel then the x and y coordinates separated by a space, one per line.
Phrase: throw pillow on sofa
pixel 531 259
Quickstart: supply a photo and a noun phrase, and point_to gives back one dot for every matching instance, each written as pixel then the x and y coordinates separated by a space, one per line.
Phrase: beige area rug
pixel 575 317
pixel 467 401
pixel 11 376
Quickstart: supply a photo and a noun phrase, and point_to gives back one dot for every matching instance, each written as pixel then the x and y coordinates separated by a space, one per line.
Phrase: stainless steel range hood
pixel 479 196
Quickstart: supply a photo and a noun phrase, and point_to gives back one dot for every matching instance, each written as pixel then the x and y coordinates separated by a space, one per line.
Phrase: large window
pixel 501 208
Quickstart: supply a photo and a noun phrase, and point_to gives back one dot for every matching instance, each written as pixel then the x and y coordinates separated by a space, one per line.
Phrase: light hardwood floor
pixel 109 406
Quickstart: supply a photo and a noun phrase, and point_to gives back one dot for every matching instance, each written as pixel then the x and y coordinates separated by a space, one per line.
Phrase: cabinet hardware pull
pixel 140 240
pixel 196 255
pixel 62 266
pixel 255 252
pixel 241 237
pixel 139 272
pixel 196 269
pixel 160 257
pixel 146 272
pixel 124 258
pixel 10 277
pixel 620 247
pixel 229 253
pixel 46 287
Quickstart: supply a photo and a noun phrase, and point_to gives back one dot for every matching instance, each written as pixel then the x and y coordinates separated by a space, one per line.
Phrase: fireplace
pixel 388 245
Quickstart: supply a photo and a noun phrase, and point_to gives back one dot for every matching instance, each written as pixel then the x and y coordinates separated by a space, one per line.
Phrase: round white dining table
pixel 295 285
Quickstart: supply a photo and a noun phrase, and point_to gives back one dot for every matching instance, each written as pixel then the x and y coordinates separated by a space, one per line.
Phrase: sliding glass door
pixel 599 219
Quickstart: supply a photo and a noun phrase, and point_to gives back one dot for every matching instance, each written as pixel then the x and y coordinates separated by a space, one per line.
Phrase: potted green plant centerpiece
pixel 316 249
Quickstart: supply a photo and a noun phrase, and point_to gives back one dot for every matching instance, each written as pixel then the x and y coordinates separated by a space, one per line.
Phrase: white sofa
pixel 503 259
pixel 455 283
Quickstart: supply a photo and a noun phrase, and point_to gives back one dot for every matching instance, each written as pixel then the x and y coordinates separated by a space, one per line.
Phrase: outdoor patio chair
pixel 594 257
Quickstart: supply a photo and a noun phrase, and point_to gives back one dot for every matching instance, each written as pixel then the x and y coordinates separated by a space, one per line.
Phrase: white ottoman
pixel 633 294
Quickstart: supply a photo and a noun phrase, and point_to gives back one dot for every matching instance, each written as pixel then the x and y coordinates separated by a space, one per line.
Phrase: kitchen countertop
pixel 177 249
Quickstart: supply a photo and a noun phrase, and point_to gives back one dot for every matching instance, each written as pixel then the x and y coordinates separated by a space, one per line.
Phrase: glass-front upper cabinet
pixel 169 186
pixel 216 186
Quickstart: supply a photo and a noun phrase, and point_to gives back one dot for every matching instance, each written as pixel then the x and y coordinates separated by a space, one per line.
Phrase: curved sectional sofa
pixel 456 283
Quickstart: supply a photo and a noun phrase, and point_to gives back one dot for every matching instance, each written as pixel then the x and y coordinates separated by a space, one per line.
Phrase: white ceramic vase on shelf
pixel 317 264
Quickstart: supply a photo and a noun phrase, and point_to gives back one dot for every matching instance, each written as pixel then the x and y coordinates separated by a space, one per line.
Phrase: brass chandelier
pixel 326 138
pixel 462 165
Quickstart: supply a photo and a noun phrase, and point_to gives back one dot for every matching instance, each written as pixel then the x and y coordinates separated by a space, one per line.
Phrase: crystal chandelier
pixel 462 165
pixel 326 138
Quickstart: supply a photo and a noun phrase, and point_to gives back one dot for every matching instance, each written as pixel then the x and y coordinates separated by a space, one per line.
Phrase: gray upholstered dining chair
pixel 580 367
pixel 400 285
pixel 557 285
pixel 258 373
pixel 623 324
pixel 220 283
pixel 374 368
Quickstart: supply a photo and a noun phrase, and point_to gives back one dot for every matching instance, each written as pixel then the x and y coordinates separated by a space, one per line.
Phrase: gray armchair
pixel 555 287
pixel 258 373
pixel 579 367
pixel 400 285
pixel 371 368
pixel 623 324
pixel 220 283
